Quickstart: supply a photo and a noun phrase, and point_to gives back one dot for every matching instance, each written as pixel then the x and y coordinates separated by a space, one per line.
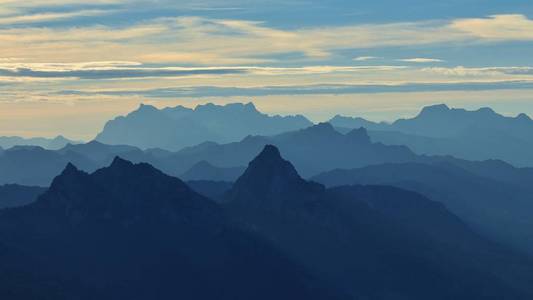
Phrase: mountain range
pixel 312 150
pixel 374 242
pixel 497 209
pixel 439 130
pixel 56 143
pixel 208 161
pixel 130 231
pixel 178 127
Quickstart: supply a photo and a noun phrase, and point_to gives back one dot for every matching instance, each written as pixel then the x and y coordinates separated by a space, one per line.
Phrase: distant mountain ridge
pixel 440 130
pixel 496 208
pixel 178 127
pixel 312 150
pixel 56 143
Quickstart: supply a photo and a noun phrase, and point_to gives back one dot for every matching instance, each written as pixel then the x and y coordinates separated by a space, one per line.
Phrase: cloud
pixel 46 17
pixel 333 89
pixel 197 40
pixel 129 70
pixel 421 60
pixel 487 71
pixel 365 58
pixel 497 27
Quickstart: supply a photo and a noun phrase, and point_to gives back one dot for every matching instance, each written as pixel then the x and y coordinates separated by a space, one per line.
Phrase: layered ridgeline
pixel 374 242
pixel 178 127
pixel 58 142
pixel 128 231
pixel 312 150
pixel 440 130
pixel 500 209
pixel 491 196
pixel 315 149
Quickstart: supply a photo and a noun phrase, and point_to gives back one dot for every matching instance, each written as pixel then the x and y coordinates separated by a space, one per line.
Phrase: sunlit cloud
pixel 497 27
pixel 197 40
pixel 43 17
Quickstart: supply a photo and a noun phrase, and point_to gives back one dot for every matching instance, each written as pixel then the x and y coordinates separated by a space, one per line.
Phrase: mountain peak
pixel 271 183
pixel 269 165
pixel 523 117
pixel 119 162
pixel 250 106
pixel 432 109
pixel 359 135
pixel 70 169
pixel 486 111
pixel 270 152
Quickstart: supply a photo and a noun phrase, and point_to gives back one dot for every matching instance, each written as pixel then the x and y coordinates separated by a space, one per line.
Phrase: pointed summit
pixel 269 164
pixel 359 136
pixel 70 169
pixel 271 183
pixel 120 163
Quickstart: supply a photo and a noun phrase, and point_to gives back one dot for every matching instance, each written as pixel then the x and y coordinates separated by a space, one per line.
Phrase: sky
pixel 68 66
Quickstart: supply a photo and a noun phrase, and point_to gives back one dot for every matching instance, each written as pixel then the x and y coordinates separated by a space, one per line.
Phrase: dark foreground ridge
pixel 129 231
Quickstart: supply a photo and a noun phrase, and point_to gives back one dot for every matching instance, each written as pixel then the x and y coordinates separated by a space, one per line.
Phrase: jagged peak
pixel 70 168
pixel 438 108
pixel 270 163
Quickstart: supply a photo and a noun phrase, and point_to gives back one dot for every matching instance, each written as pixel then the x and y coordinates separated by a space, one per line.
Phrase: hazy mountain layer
pixel 58 142
pixel 500 210
pixel 178 127
pixel 440 130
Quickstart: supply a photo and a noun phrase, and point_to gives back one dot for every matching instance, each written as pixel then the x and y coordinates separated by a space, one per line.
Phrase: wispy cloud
pixel 487 71
pixel 129 70
pixel 45 17
pixel 197 40
pixel 421 60
pixel 365 58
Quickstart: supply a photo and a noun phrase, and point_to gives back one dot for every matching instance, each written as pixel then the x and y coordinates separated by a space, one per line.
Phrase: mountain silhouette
pixel 439 130
pixel 31 165
pixel 56 143
pixel 312 150
pixel 178 127
pixel 14 195
pixel 128 231
pixel 366 239
pixel 497 209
